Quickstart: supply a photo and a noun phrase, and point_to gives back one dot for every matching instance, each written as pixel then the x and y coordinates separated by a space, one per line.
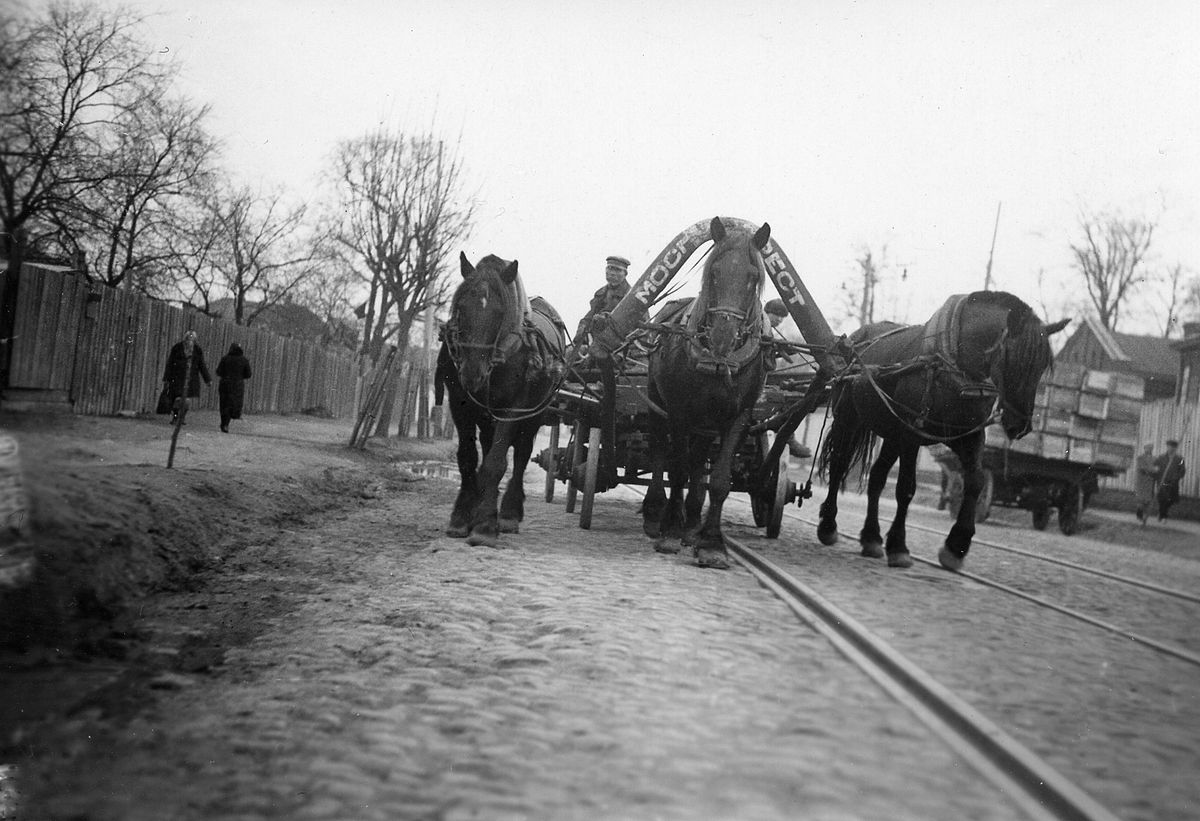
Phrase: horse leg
pixel 655 504
pixel 485 526
pixel 673 509
pixel 693 506
pixel 468 461
pixel 512 506
pixel 840 447
pixel 869 538
pixel 906 488
pixel 710 549
pixel 958 540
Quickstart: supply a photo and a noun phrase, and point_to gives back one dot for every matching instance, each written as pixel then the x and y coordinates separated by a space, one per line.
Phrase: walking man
pixel 1145 481
pixel 1170 473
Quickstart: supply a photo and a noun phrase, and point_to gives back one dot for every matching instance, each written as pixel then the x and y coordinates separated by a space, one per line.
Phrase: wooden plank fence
pixel 105 349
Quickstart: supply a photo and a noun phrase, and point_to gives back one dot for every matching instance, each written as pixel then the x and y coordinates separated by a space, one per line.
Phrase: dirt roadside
pixel 109 528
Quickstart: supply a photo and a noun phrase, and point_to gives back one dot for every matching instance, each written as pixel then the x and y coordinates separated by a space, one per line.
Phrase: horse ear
pixel 716 228
pixel 509 274
pixel 1055 327
pixel 465 265
pixel 762 235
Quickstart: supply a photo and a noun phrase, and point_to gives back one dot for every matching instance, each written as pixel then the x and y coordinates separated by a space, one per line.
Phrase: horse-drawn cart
pixel 579 407
pixel 606 403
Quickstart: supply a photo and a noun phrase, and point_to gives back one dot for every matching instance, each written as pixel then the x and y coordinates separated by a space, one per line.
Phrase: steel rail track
pixel 1034 787
pixel 1029 782
pixel 1168 649
pixel 1117 577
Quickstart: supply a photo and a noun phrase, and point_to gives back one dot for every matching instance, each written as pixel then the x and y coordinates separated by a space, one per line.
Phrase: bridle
pixel 747 343
pixel 509 340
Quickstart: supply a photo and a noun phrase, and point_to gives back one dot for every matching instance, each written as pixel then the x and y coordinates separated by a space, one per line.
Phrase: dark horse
pixel 501 361
pixel 938 382
pixel 706 377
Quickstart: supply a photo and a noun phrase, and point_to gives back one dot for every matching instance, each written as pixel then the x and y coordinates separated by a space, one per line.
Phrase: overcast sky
pixel 603 128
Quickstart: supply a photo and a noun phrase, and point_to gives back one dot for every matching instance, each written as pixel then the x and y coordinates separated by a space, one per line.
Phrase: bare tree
pixel 261 255
pixel 161 152
pixel 861 294
pixel 1110 258
pixel 69 77
pixel 400 216
pixel 190 242
pixel 1176 298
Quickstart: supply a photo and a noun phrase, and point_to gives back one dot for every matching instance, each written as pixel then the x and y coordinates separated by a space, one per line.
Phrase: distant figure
pixel 616 269
pixel 185 367
pixel 1145 482
pixel 1170 474
pixel 233 371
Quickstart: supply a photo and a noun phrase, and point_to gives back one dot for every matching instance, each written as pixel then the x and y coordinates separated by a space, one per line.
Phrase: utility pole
pixel 987 277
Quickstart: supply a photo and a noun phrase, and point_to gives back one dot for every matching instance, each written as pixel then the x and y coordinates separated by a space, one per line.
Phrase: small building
pixel 1154 359
pixel 1188 380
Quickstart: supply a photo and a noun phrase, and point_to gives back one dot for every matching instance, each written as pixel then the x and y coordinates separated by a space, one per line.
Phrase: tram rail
pixel 1028 781
pixel 1033 786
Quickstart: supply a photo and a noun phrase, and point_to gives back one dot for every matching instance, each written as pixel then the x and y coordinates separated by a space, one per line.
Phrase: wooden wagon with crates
pixel 1085 426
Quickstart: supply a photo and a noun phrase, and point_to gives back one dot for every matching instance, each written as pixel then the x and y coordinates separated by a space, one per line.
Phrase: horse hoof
pixel 872 550
pixel 827 537
pixel 510 525
pixel 715 558
pixel 457 532
pixel 652 531
pixel 899 560
pixel 949 560
pixel 665 546
pixel 484 539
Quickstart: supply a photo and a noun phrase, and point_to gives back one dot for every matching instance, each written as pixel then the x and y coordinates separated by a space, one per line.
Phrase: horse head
pixel 484 319
pixel 1018 358
pixel 731 286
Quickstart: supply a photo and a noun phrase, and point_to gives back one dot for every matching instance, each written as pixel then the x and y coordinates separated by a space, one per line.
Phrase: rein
pixel 514 336
pixel 932 363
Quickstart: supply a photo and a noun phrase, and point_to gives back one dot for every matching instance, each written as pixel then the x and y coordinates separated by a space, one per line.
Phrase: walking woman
pixel 185 367
pixel 233 371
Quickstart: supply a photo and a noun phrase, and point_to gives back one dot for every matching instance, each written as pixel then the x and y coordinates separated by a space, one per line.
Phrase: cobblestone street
pixel 576 675
pixel 350 662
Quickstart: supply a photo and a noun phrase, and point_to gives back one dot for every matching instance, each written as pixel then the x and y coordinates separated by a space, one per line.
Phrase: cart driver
pixel 616 271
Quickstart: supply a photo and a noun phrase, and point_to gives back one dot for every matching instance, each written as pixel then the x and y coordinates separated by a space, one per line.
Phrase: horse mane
pixel 1027 345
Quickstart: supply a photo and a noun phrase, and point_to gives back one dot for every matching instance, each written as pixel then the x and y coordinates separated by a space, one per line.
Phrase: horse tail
pixel 847 435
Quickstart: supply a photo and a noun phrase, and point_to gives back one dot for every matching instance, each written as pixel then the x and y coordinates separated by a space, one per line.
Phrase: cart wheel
pixel 574 457
pixel 1068 512
pixel 591 471
pixel 552 461
pixel 784 492
pixel 760 504
pixel 1041 517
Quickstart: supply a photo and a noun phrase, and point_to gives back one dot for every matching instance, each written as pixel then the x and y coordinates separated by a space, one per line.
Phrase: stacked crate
pixel 1082 415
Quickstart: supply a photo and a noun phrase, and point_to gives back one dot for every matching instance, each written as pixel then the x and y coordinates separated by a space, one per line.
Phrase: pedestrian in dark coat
pixel 233 371
pixel 185 368
pixel 1170 473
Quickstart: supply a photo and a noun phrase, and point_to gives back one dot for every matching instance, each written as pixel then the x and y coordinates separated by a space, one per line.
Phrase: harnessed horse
pixel 705 375
pixel 977 358
pixel 501 361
